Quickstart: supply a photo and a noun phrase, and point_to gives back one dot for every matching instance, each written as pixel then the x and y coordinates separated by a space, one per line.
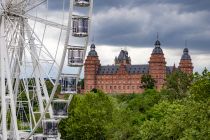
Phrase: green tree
pixel 81 83
pixel 178 120
pixel 178 83
pixel 200 89
pixel 147 82
pixel 89 117
pixel 144 101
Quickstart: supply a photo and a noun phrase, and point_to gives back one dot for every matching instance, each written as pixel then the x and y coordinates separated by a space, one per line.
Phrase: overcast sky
pixel 134 24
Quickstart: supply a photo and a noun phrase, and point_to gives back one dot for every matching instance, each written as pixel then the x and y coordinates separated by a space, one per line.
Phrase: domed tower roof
pixel 157 49
pixel 92 51
pixel 157 43
pixel 186 55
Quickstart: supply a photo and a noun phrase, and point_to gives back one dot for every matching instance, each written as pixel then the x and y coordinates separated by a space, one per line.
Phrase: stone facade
pixel 122 77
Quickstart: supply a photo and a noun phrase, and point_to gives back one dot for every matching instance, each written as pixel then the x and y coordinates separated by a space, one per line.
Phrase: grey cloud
pixel 193 27
pixel 175 20
pixel 187 5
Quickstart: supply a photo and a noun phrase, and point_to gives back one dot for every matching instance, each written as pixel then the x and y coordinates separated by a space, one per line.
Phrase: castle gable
pixel 123 58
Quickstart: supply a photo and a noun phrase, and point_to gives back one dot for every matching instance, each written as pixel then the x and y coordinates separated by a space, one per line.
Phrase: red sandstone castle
pixel 122 77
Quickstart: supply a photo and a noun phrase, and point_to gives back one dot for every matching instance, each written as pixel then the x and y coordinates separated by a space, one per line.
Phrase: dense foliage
pixel 180 111
pixel 147 82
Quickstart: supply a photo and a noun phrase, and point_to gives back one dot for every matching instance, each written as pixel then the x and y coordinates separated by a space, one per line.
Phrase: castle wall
pixel 119 83
pixel 186 66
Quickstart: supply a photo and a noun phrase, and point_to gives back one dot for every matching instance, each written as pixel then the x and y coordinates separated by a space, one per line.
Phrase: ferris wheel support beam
pixel 16 70
pixel 29 105
pixel 36 73
pixel 3 89
pixel 34 58
pixel 6 75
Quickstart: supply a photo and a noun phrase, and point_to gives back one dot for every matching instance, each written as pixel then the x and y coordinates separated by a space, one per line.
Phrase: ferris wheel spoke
pixel 39 79
pixel 29 6
pixel 41 43
pixel 34 5
pixel 45 22
pixel 32 54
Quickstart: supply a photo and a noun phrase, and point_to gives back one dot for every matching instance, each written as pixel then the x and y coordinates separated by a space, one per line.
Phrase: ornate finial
pixel 93 39
pixel 157 36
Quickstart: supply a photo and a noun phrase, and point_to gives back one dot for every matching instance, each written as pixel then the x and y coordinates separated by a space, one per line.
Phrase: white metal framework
pixel 35 38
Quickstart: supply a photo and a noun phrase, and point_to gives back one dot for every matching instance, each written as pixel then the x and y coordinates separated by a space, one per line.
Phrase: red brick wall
pixel 157 69
pixel 92 64
pixel 121 82
pixel 186 66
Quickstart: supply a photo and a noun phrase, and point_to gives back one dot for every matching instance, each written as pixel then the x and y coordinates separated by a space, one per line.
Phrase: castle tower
pixel 92 64
pixel 123 58
pixel 157 65
pixel 185 64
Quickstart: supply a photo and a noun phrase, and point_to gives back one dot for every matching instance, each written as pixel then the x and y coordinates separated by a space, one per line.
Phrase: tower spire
pixel 185 43
pixel 157 43
pixel 93 39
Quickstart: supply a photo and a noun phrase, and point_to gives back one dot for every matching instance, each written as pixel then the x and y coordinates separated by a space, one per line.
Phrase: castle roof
pixel 157 43
pixel 131 69
pixel 92 51
pixel 141 69
pixel 110 69
pixel 157 49
pixel 123 55
pixel 186 55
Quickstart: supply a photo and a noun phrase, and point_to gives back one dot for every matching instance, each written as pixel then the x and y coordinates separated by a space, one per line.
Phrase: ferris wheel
pixel 42 50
